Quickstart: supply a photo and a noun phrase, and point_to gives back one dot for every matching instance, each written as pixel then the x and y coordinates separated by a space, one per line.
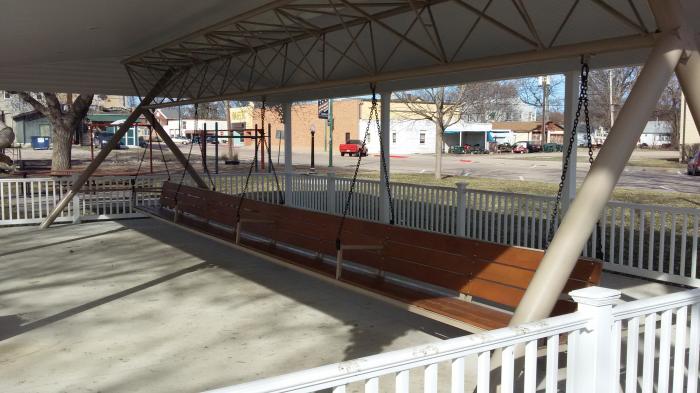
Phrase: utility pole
pixel 544 80
pixel 312 169
pixel 610 96
pixel 230 131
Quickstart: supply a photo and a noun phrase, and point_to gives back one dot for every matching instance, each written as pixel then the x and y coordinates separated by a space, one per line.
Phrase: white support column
pixel 288 165
pixel 571 92
pixel 578 223
pixel 385 147
pixel 592 348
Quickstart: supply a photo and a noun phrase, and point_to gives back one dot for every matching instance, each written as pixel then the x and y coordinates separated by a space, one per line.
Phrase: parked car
pixel 181 140
pixel 456 150
pixel 505 148
pixel 101 139
pixel 694 164
pixel 526 147
pixel 521 147
pixel 353 147
pixel 212 140
pixel 552 147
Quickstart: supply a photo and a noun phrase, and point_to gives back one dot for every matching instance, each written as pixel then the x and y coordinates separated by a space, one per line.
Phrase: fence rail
pixel 579 352
pixel 657 242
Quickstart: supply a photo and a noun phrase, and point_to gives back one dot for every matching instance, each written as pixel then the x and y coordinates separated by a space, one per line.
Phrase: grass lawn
pixel 632 195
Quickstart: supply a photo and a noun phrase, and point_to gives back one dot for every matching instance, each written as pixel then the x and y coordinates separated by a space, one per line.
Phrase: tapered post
pixel 175 150
pixel 578 222
pixel 288 165
pixel 571 92
pixel 385 150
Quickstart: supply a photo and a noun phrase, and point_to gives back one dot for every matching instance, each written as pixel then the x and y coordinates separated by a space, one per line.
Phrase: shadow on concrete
pixel 310 291
pixel 46 245
pixel 11 326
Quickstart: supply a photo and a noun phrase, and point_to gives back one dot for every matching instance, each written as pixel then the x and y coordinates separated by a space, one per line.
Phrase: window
pixel 393 137
pixel 184 125
pixel 347 137
pixel 422 138
pixel 6 95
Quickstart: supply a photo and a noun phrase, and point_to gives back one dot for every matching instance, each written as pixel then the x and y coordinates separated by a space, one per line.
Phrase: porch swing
pixel 471 284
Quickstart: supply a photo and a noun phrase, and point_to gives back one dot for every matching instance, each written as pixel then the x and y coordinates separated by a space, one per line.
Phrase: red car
pixel 520 148
pixel 694 164
pixel 353 147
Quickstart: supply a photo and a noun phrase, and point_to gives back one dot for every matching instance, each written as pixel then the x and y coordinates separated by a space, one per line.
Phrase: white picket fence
pixel 656 242
pixel 580 352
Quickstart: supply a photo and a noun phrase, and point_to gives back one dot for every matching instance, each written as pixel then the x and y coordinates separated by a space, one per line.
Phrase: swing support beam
pixel 578 222
pixel 83 177
pixel 175 149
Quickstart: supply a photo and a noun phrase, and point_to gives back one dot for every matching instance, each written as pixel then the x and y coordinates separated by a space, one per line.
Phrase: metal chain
pixel 189 155
pixel 600 253
pixel 569 150
pixel 372 112
pixel 582 104
pixel 250 169
pixel 165 162
pixel 382 154
pixel 274 173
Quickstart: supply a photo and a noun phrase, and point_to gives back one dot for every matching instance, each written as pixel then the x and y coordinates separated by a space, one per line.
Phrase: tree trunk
pixel 439 130
pixel 62 144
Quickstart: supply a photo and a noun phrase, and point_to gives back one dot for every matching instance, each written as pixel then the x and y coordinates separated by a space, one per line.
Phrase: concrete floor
pixel 141 306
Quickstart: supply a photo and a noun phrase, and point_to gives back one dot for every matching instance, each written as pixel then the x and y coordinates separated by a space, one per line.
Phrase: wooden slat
pixel 495 273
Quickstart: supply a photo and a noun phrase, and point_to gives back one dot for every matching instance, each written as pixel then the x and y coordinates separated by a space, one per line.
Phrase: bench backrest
pixel 490 272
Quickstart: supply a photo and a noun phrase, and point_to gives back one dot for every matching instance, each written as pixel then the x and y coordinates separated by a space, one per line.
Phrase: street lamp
pixel 312 169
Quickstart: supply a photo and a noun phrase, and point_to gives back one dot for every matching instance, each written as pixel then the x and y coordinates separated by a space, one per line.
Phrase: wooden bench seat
pixel 479 283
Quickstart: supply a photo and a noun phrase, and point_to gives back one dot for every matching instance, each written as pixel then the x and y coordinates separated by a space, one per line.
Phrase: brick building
pixel 346 116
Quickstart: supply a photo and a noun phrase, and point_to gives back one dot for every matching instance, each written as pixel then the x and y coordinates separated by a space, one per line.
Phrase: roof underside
pixel 301 49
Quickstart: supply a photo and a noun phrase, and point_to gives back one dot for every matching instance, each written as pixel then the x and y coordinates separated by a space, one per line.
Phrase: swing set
pixel 471 284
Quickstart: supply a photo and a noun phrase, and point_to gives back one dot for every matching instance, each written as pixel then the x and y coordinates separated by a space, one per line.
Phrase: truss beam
pixel 286 45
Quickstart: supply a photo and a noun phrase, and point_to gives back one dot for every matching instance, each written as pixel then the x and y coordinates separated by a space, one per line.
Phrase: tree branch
pixel 38 106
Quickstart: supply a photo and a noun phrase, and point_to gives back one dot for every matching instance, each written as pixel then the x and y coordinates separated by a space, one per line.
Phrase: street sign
pixel 323 109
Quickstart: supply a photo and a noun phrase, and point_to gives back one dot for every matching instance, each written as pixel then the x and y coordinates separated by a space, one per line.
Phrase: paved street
pixel 541 167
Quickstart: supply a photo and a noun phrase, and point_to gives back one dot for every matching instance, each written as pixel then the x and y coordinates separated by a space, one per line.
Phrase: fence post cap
pixel 596 296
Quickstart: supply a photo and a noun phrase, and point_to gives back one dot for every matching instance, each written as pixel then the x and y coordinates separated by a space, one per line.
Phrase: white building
pixel 656 134
pixel 407 136
pixel 464 133
pixel 418 136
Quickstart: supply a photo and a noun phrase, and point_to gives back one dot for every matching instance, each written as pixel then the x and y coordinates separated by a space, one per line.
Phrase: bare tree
pixel 599 92
pixel 63 120
pixel 445 106
pixel 669 108
pixel 207 110
pixel 531 92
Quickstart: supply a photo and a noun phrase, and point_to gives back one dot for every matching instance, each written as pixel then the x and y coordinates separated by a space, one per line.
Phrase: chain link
pixel 582 104
pixel 382 154
pixel 250 169
pixel 346 209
